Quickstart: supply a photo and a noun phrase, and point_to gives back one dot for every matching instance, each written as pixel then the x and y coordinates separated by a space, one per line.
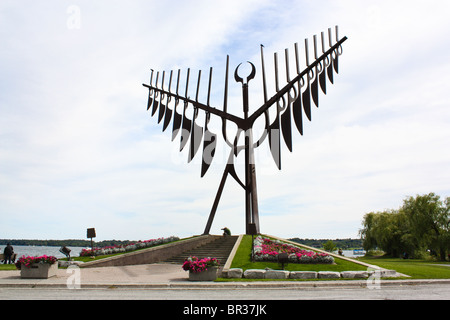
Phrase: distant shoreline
pixel 316 243
pixel 61 243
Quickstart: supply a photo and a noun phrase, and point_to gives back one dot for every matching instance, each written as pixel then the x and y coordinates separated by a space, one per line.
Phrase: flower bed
pixel 28 261
pixel 193 264
pixel 266 249
pixel 126 248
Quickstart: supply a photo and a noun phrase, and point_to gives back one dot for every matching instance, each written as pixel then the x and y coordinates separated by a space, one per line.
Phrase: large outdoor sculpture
pixel 289 103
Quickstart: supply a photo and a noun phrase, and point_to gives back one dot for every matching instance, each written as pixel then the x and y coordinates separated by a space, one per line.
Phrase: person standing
pixel 8 252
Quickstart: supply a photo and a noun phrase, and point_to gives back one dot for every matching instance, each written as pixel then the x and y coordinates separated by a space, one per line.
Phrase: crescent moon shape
pixel 250 76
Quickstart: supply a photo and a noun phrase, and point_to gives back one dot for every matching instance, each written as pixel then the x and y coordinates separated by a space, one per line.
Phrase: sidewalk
pixel 170 276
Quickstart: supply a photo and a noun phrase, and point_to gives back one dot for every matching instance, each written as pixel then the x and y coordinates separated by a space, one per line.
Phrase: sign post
pixel 91 234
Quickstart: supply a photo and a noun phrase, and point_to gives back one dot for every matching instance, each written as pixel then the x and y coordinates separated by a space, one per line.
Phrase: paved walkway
pixel 165 276
pixel 146 274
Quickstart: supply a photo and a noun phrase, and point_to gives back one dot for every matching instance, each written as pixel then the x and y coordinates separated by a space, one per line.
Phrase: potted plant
pixel 201 269
pixel 42 267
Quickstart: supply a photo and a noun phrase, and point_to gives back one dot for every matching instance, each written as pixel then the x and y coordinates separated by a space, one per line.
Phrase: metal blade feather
pixel 286 127
pixel 186 131
pixel 330 70
pixel 162 110
pixel 315 90
pixel 323 80
pixel 209 150
pixel 196 139
pixel 155 106
pixel 335 64
pixel 297 112
pixel 167 118
pixel 150 102
pixel 274 141
pixel 177 119
pixel 306 96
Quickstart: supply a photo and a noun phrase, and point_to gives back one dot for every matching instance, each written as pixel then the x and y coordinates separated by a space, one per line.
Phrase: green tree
pixel 329 246
pixel 421 223
pixel 386 230
pixel 429 222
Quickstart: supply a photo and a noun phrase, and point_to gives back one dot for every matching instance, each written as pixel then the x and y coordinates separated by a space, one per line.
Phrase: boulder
pixel 276 274
pixel 388 273
pixel 354 274
pixel 303 275
pixel 254 274
pixel 329 275
pixel 66 264
pixel 234 273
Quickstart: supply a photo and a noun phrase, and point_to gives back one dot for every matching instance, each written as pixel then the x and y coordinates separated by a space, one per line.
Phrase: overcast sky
pixel 78 148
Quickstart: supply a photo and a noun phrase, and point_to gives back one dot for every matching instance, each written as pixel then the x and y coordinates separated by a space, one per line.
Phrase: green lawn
pixel 7 267
pixel 416 269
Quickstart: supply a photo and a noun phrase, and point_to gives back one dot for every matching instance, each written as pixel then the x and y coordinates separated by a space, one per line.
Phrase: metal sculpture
pixel 290 101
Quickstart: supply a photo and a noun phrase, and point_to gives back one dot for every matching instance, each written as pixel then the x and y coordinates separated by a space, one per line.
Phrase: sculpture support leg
pixel 216 201
pixel 255 209
pixel 251 196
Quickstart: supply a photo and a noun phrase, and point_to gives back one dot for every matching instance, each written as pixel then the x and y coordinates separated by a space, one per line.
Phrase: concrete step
pixel 219 249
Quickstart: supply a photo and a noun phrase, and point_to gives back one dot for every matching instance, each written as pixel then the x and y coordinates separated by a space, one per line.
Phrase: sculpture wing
pixel 296 96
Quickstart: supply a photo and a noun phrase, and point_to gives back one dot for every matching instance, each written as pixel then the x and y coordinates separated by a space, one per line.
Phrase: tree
pixel 422 223
pixel 429 221
pixel 329 246
pixel 385 230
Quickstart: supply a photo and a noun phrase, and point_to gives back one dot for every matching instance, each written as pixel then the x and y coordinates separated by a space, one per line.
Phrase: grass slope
pixel 242 260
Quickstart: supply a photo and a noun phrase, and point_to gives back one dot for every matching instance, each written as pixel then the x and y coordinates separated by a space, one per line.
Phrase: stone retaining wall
pixel 153 254
pixel 283 274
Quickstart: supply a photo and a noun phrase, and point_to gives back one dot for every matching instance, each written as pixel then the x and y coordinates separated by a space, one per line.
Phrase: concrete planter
pixel 208 275
pixel 38 271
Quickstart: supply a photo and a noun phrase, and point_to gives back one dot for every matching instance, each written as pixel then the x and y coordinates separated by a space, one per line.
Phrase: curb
pixel 231 285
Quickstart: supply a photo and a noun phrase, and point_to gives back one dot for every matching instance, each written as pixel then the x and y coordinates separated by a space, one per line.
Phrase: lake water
pixel 41 250
pixel 350 254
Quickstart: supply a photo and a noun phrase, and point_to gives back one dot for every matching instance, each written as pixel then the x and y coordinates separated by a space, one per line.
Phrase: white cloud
pixel 78 149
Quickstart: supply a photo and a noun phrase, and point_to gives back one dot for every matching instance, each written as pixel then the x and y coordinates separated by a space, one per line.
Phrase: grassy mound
pixel 242 260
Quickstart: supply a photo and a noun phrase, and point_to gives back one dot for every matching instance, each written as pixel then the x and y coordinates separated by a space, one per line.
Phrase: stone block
pixel 235 273
pixel 254 274
pixel 276 274
pixel 329 275
pixel 303 275
pixel 66 264
pixel 354 274
pixel 388 273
